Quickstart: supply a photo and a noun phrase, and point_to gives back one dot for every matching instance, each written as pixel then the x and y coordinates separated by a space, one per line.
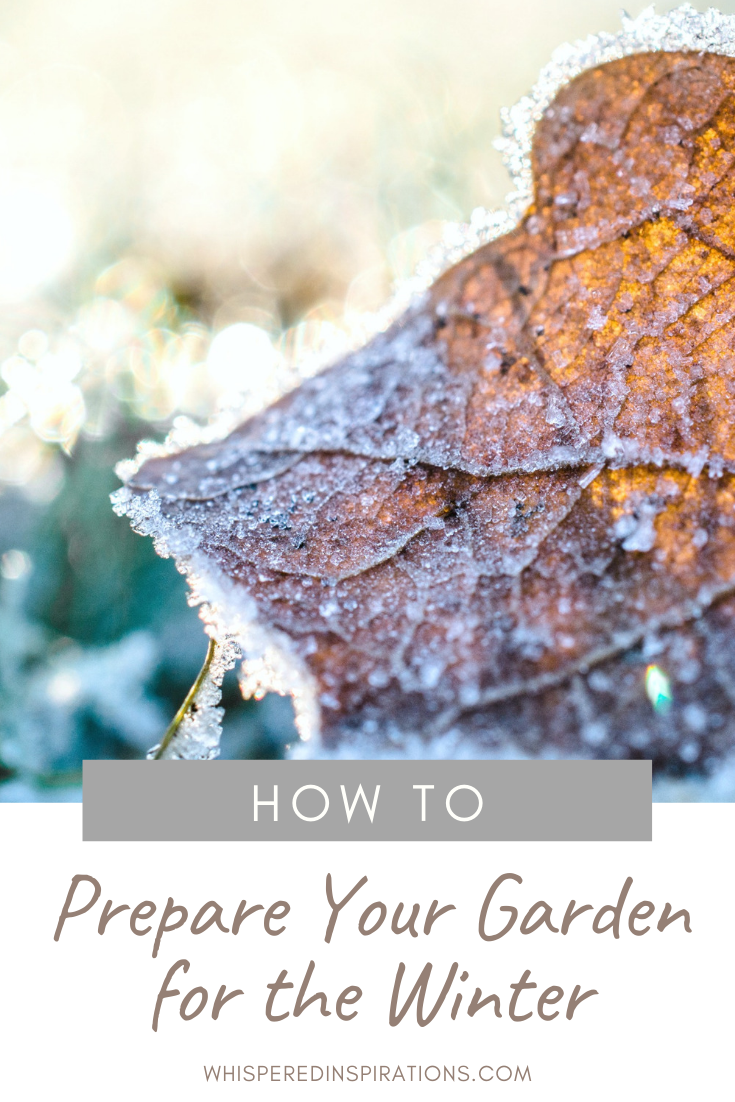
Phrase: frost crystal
pixel 198 735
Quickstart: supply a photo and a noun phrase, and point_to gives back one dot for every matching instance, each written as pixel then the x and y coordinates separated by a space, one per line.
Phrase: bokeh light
pixel 241 358
pixel 15 564
pixel 658 689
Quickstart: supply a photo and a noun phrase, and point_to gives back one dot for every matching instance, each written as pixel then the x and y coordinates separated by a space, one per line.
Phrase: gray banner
pixel 412 801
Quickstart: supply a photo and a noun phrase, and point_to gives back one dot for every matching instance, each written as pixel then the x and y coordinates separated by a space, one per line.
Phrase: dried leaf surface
pixel 490 521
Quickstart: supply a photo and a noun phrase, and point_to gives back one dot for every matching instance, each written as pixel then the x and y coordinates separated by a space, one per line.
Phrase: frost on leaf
pixel 197 735
pixel 490 522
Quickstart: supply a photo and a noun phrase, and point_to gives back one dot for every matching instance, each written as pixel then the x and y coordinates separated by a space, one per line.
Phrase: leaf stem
pixel 188 701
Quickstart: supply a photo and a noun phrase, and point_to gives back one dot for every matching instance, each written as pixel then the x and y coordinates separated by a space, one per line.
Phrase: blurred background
pixel 196 200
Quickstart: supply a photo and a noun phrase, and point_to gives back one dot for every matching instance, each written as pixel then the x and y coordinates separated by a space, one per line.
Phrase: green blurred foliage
pixel 93 586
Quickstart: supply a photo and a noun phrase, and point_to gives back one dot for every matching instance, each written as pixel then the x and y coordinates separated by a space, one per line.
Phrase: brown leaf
pixel 488 523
